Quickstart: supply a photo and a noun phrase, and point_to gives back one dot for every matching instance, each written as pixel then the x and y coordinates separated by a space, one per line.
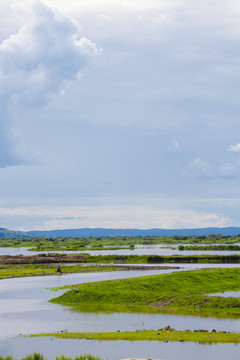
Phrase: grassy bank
pixel 44 258
pixel 41 270
pixel 158 259
pixel 177 293
pixel 153 335
pixel 210 247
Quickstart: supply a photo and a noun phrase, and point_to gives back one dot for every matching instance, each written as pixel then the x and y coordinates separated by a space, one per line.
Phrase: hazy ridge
pixel 86 232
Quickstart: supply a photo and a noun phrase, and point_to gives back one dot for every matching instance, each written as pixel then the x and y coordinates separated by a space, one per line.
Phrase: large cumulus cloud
pixel 36 64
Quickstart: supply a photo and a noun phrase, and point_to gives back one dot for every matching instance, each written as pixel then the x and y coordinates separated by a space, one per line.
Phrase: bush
pixel 35 356
pixel 33 261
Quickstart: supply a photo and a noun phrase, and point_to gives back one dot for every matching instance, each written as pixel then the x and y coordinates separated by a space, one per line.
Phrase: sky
pixel 119 114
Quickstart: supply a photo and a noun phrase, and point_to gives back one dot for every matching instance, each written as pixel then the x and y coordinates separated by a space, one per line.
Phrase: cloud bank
pixel 36 64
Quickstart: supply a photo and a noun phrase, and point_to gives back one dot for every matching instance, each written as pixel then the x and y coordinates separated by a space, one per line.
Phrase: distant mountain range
pixel 5 233
pixel 86 232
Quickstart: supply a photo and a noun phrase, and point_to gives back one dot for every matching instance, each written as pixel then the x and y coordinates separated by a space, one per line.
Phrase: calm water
pixel 139 250
pixel 24 309
pixel 121 350
pixel 227 294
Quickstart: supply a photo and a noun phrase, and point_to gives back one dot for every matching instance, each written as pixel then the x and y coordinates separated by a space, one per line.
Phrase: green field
pixel 182 293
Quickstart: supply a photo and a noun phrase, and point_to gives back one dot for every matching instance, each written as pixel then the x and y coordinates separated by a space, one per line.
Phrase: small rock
pixel 167 327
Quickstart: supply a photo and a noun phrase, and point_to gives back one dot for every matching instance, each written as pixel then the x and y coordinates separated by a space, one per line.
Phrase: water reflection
pixel 116 350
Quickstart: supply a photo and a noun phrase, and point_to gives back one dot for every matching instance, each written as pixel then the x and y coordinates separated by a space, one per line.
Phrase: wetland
pixel 25 309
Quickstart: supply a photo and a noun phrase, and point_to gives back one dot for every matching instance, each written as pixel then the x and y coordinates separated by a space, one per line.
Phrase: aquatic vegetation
pixel 37 356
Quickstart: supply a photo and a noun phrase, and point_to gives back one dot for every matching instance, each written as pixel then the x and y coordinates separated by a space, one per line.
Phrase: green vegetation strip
pixel 41 270
pixel 38 356
pixel 158 259
pixel 153 335
pixel 179 293
pixel 210 247
pixel 102 242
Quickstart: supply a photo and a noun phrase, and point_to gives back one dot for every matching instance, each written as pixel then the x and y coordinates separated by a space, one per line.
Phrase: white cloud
pixel 234 148
pixel 199 168
pixel 228 171
pixel 175 145
pixel 110 216
pixel 36 64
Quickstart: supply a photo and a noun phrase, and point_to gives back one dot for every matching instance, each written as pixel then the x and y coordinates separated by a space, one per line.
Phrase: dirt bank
pixel 69 258
pixel 42 259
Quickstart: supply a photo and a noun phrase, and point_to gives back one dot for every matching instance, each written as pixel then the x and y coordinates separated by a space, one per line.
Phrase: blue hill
pixel 86 232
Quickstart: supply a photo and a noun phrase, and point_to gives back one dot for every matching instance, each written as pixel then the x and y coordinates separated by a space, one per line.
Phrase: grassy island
pixel 201 336
pixel 182 293
pixel 44 270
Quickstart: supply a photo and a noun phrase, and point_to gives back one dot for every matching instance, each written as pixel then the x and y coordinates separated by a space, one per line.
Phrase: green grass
pixel 7 271
pixel 210 247
pixel 153 335
pixel 178 293
pixel 38 356
pixel 158 259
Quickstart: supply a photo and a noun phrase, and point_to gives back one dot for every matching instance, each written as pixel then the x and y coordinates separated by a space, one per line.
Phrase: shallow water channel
pixel 24 309
pixel 139 250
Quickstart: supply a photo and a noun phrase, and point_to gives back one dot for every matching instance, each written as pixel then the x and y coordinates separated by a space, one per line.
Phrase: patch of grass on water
pixel 153 335
pixel 178 293
pixel 8 271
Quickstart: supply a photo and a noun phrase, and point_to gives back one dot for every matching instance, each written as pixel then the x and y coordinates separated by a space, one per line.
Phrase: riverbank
pixel 43 258
pixel 16 271
pixel 48 258
pixel 182 293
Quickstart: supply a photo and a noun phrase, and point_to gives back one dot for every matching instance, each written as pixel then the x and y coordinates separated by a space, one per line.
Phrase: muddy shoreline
pixel 42 259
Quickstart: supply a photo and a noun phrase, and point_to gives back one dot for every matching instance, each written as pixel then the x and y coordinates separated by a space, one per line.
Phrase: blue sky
pixel 119 114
